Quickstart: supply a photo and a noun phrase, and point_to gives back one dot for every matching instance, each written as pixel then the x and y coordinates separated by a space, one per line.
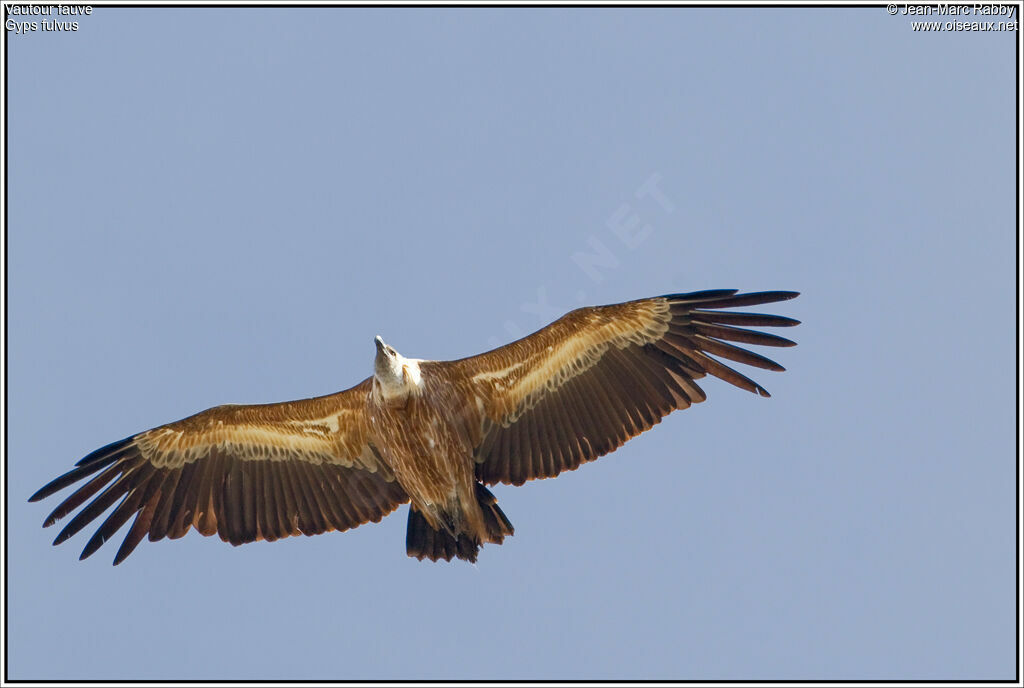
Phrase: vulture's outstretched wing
pixel 244 472
pixel 582 386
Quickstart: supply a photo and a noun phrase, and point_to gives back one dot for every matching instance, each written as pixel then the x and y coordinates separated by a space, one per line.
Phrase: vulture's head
pixel 394 375
pixel 387 367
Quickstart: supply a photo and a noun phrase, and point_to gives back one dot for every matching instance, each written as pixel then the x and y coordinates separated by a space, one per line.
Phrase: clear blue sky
pixel 211 206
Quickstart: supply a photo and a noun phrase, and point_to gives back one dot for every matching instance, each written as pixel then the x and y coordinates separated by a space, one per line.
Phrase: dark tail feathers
pixel 423 541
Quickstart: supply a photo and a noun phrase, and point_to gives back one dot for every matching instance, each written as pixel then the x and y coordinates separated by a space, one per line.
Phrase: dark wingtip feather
pixel 102 452
pixel 739 334
pixel 729 298
pixel 733 318
pixel 101 458
pixel 704 295
pixel 753 298
pixel 41 493
pixel 57 484
pixel 54 517
pixel 72 476
pixel 770 296
pixel 95 542
pixel 140 526
pixel 97 506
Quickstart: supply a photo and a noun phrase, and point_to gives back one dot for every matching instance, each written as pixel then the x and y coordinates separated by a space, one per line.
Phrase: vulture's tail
pixel 423 541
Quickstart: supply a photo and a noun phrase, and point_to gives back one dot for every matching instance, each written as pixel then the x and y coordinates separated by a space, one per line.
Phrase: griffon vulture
pixel 432 433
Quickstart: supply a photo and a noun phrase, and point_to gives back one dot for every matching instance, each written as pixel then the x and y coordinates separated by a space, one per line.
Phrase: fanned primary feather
pixel 429 432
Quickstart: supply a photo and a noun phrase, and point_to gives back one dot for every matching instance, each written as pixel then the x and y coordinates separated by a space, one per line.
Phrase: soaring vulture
pixel 432 433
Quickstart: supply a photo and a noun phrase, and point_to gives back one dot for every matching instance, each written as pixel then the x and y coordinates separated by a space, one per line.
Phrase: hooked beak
pixel 380 343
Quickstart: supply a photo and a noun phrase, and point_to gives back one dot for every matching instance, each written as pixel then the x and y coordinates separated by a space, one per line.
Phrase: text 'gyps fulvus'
pixel 427 432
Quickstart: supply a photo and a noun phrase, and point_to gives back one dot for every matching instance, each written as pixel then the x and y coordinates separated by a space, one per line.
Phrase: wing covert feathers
pixel 245 473
pixel 587 383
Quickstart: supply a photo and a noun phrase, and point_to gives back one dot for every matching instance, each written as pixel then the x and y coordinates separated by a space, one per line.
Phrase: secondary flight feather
pixel 432 433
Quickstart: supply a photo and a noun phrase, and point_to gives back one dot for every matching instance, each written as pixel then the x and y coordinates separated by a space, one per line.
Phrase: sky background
pixel 211 206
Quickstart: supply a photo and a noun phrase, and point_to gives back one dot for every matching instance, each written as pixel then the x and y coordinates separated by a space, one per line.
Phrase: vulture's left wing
pixel 582 386
pixel 244 472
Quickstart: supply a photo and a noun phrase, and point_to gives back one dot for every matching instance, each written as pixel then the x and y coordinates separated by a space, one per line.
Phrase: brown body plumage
pixel 429 432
